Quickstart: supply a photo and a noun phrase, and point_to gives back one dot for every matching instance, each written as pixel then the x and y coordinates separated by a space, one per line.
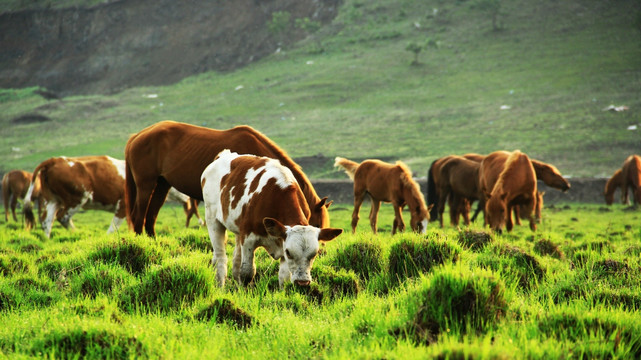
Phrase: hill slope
pixel 350 90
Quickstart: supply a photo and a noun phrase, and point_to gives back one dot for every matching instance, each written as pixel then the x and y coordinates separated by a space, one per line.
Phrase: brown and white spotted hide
pixel 260 201
pixel 90 182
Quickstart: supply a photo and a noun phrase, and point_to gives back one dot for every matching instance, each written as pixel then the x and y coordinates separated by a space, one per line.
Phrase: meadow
pixel 570 290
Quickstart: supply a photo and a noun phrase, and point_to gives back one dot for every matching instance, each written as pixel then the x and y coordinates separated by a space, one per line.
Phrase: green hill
pixel 351 90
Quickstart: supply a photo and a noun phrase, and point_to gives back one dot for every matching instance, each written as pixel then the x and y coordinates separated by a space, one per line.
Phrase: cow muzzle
pixel 302 282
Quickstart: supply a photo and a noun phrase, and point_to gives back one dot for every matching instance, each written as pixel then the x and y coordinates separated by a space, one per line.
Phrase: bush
pixel 91 343
pixel 474 240
pixel 363 258
pixel 455 300
pixel 514 264
pixel 408 258
pixel 168 288
pixel 128 253
pixel 225 311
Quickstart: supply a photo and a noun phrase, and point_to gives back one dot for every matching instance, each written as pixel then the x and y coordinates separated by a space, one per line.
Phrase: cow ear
pixel 274 228
pixel 429 208
pixel 328 234
pixel 321 203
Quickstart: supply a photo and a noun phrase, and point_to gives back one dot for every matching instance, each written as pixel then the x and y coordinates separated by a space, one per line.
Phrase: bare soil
pixel 110 47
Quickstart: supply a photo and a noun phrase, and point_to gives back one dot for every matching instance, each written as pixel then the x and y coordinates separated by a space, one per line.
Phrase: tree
pixel 417 48
pixel 279 24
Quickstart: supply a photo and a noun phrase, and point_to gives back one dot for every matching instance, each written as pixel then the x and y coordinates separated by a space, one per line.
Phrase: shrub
pixel 168 288
pixel 90 343
pixel 225 311
pixel 474 240
pixel 99 279
pixel 408 258
pixel 546 247
pixel 363 258
pixel 455 299
pixel 130 254
pixel 515 264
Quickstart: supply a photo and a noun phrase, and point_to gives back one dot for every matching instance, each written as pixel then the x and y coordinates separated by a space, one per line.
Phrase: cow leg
pixel 218 238
pixel 144 189
pixel 157 200
pixel 51 210
pixel 237 260
pixel 509 225
pixel 373 214
pixel 119 216
pixel 14 204
pixel 283 273
pixel 358 201
pixel 194 210
pixel 398 220
pixel 187 212
pixel 247 266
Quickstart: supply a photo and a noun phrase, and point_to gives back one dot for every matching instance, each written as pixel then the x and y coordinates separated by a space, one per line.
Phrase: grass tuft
pixel 474 240
pixel 363 258
pixel 409 257
pixel 225 311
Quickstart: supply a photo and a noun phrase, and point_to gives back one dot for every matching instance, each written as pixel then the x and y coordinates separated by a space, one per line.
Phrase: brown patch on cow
pixel 254 184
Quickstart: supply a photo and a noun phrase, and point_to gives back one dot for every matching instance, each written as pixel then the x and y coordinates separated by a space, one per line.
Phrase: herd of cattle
pixel 251 187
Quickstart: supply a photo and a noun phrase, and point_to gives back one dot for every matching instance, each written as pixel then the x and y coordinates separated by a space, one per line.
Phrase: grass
pixel 93 295
pixel 555 64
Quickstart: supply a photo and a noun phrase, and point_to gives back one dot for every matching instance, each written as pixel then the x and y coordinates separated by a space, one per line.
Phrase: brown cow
pixel 631 179
pixel 15 184
pixel 507 180
pixel 260 201
pixel 459 206
pixel 174 154
pixel 71 184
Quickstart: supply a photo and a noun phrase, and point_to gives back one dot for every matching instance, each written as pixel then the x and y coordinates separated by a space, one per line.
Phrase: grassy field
pixel 570 290
pixel 350 90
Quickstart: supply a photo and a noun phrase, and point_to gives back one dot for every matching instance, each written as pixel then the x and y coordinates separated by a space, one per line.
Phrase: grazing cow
pixel 174 154
pixel 261 202
pixel 507 182
pixel 459 206
pixel 390 183
pixel 71 184
pixel 458 181
pixel 631 179
pixel 190 205
pixel 612 185
pixel 15 184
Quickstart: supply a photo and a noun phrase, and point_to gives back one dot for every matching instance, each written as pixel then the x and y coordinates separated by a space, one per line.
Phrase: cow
pixel 15 184
pixel 260 201
pixel 190 205
pixel 175 154
pixel 70 184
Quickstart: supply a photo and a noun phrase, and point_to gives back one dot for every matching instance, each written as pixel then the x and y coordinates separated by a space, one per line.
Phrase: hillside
pixel 350 90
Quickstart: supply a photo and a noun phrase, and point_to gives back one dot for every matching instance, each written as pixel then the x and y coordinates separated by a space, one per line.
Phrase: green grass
pixel 556 64
pixel 88 294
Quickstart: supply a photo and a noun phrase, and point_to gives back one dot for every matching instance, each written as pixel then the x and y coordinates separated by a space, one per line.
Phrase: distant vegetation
pixel 539 85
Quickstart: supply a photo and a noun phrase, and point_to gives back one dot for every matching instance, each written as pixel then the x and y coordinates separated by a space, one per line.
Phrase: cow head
pixel 300 246
pixel 496 211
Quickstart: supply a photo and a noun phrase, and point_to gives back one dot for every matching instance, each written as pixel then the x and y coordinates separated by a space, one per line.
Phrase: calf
pixel 71 184
pixel 261 202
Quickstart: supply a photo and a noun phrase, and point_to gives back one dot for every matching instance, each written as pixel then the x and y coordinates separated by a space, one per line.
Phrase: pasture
pixel 572 289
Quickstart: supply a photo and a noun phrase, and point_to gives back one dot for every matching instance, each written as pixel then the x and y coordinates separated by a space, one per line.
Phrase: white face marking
pixel 119 164
pixel 300 248
pixel 424 226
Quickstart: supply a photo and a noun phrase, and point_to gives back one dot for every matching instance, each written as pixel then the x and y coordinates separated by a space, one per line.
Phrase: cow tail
pixel 432 194
pixel 347 165
pixel 130 193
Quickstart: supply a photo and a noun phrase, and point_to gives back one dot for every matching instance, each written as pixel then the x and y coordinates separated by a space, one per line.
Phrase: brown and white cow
pixel 261 202
pixel 71 184
pixel 15 184
pixel 189 204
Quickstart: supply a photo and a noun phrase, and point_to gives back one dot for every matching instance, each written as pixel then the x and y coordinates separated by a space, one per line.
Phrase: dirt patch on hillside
pixel 126 43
